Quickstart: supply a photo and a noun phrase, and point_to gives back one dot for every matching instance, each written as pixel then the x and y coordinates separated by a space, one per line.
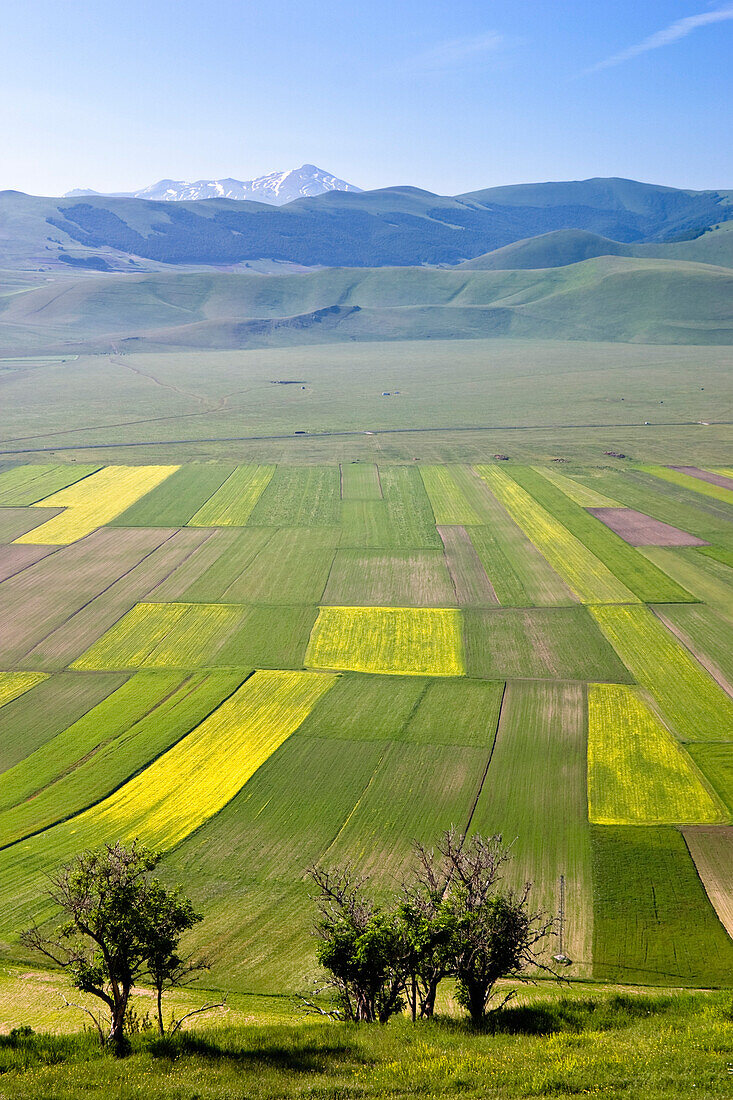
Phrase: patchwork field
pixel 256 666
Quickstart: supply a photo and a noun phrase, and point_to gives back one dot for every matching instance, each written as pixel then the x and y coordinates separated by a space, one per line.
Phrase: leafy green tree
pixel 362 947
pixel 120 925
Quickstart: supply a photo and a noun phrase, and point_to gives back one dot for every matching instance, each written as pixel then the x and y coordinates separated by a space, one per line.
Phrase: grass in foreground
pixel 594 1045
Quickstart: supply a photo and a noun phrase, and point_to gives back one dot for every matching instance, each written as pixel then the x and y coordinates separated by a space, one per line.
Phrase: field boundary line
pixel 29 564
pixel 103 590
pixel 239 576
pixel 360 799
pixel 488 762
pixel 684 639
pixel 133 775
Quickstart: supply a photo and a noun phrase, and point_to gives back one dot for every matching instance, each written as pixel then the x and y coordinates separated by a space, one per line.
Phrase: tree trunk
pixel 117 1038
pixel 161 1025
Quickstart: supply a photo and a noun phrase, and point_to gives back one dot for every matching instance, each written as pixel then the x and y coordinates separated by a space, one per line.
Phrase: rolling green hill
pixel 607 298
pixel 569 246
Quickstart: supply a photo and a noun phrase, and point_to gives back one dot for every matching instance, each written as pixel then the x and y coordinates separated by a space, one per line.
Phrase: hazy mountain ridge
pixel 399 226
pixel 276 188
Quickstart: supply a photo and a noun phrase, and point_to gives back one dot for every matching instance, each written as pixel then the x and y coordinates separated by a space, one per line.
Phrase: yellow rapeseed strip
pixel 94 501
pixel 206 769
pixel 589 578
pixel 412 641
pixel 13 684
pixel 637 773
pixel 163 635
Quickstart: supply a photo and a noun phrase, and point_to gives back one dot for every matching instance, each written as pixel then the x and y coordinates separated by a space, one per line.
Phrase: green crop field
pixel 259 665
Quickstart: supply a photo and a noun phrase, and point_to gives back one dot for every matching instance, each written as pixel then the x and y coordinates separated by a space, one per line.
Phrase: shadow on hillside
pixel 566 1014
pixel 307 1057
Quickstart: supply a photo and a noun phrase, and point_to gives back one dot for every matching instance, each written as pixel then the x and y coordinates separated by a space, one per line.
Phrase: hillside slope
pixel 610 298
pixel 570 246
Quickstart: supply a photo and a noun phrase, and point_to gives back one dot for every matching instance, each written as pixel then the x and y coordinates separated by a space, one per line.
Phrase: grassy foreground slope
pixel 592 1044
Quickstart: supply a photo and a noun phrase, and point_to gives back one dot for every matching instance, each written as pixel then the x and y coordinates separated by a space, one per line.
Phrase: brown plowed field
pixel 640 530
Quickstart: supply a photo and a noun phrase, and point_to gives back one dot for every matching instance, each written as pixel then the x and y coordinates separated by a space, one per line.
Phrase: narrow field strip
pixel 709 580
pixel 116 750
pixel 95 501
pixel 649 583
pixel 14 684
pixel 203 771
pixel 685 481
pixel 637 772
pixel 690 702
pixel 360 481
pixel 121 710
pixel 586 575
pixel 28 484
pixel 174 795
pixel 424 641
pixel 449 503
pixel 715 761
pixel 160 635
pixel 410 516
pixel 232 503
pixel 712 852
pixel 579 493
pixel 38 716
pixel 472 587
pixel 534 795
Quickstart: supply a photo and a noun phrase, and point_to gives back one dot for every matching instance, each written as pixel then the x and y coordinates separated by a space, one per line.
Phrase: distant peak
pixel 276 188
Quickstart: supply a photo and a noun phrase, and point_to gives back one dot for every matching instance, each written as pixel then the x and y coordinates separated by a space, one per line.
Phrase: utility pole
pixel 561 957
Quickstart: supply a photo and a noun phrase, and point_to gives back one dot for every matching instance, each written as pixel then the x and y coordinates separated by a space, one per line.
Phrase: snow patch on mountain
pixel 277 188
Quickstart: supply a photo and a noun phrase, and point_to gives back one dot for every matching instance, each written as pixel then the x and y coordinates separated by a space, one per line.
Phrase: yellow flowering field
pixel 637 773
pixel 13 684
pixel 94 501
pixel 577 565
pixel 232 503
pixel 413 641
pixel 164 635
pixel 205 770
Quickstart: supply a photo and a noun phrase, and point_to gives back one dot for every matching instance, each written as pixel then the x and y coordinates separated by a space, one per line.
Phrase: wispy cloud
pixel 454 52
pixel 673 33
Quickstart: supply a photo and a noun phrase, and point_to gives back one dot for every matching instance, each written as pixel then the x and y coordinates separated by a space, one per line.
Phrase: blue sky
pixel 451 95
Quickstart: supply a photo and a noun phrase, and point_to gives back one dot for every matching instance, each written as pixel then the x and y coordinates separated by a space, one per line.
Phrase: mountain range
pixel 397 226
pixel 277 188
